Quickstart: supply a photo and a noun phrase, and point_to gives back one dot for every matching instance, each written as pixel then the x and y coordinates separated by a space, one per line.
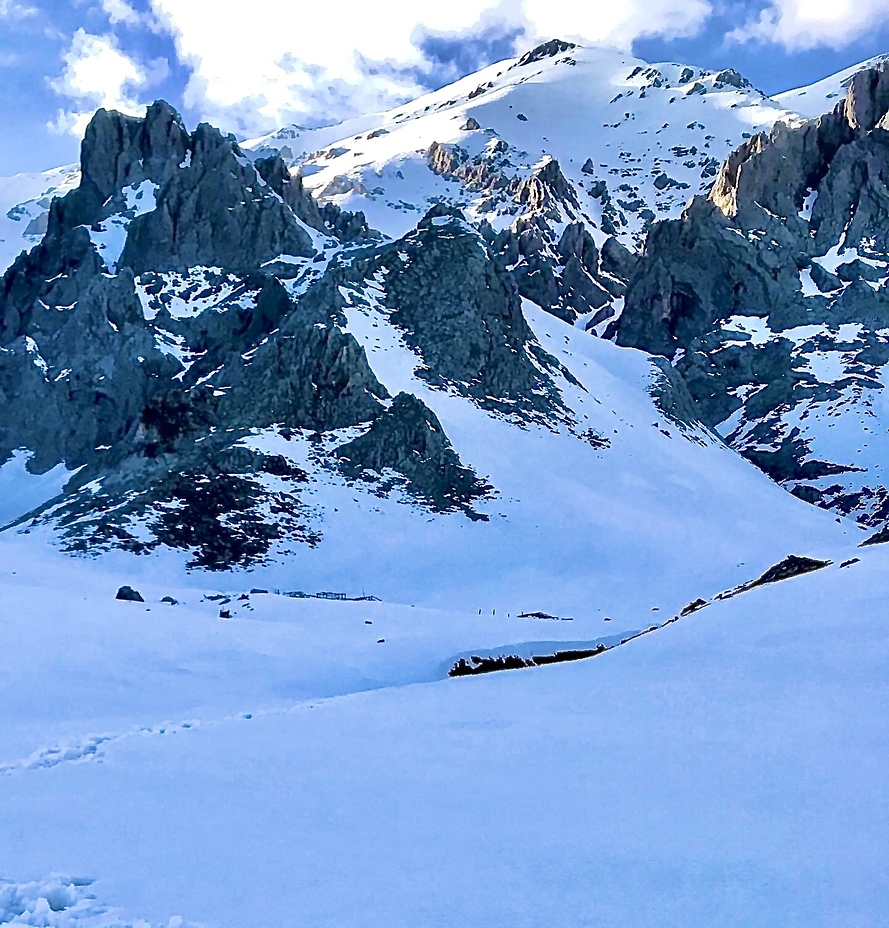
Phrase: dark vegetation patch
pixel 792 566
pixel 880 538
pixel 220 509
pixel 479 665
pixel 219 518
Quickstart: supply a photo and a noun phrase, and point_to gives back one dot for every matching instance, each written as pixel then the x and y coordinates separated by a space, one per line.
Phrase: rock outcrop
pixel 409 439
pixel 462 313
pixel 179 303
pixel 770 298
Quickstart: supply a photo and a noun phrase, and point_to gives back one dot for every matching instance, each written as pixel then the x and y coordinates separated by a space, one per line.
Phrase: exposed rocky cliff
pixel 771 299
pixel 184 299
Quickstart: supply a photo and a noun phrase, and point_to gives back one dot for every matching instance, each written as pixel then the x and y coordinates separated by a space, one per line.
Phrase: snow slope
pixel 276 769
pixel 823 95
pixel 633 121
pixel 614 527
pixel 24 204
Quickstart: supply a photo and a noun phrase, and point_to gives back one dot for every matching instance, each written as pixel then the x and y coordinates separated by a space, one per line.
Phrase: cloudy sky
pixel 251 67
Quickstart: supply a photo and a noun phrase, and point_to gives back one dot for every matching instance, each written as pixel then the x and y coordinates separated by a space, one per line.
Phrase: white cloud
pixel 13 9
pixel 328 59
pixel 119 11
pixel 805 24
pixel 97 73
pixel 618 22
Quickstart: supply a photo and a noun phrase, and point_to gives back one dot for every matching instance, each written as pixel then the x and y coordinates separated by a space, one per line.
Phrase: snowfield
pixel 241 757
pixel 283 767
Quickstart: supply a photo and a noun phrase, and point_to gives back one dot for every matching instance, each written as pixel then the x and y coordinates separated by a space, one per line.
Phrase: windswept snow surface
pixel 822 96
pixel 283 767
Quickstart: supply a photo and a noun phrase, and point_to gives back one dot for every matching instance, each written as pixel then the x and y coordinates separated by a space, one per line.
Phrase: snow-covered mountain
pixel 186 297
pixel 232 373
pixel 563 134
pixel 634 140
pixel 339 414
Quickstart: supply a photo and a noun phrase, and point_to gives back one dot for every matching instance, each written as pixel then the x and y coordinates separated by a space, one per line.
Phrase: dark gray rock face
pixel 215 212
pixel 119 151
pixel 562 276
pixel 147 368
pixel 409 439
pixel 329 219
pixel 304 377
pixel 462 314
pixel 52 274
pixel 128 594
pixel 560 271
pixel 81 376
pixel 770 298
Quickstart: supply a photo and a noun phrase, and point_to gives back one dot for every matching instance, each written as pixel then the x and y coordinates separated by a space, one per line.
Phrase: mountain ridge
pixel 258 344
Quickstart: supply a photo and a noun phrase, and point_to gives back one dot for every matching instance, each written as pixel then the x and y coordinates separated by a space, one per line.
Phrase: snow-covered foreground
pixel 253 759
pixel 727 769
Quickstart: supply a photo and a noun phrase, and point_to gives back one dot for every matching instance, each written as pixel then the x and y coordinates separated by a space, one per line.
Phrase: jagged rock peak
pixel 543 186
pixel 217 228
pixel 724 194
pixel 120 150
pixel 546 50
pixel 441 211
pixel 329 219
pixel 775 170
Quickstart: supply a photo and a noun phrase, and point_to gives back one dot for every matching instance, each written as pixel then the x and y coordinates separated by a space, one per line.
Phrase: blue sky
pixel 311 63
